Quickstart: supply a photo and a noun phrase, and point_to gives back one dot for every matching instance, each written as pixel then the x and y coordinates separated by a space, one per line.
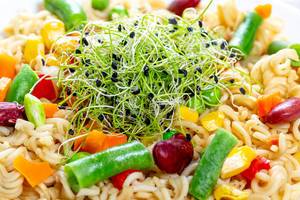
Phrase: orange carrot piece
pixel 264 10
pixel 34 172
pixel 50 109
pixel 114 139
pixel 273 140
pixel 4 86
pixel 7 66
pixel 266 103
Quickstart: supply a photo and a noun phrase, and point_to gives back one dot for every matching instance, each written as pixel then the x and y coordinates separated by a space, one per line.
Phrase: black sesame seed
pixel 242 90
pixel 159 84
pixel 124 42
pixel 119 27
pixel 132 34
pixel 85 42
pixel 98 83
pixel 188 137
pixel 74 94
pixel 71 132
pixel 114 65
pixel 198 69
pixel 115 75
pixel 172 31
pixel 62 107
pixel 100 41
pixel 204 34
pixel 223 45
pixel 150 96
pixel 190 29
pixel 170 114
pixel 77 51
pixel 129 82
pixel 162 106
pixel 231 80
pixel 215 43
pixel 216 79
pixel 173 21
pixel 200 23
pixel 135 90
pixel 207 45
pixel 182 71
pixel 72 70
pixel 69 91
pixel 113 79
pixel 127 112
pixel 43 61
pixel 104 74
pixel 136 23
pixel 87 74
pixel 86 33
pixel 147 121
pixel 114 56
pixel 232 55
pixel 146 70
pixel 156 34
pixel 101 117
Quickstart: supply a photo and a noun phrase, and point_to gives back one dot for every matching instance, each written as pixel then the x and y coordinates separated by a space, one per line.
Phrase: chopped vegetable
pixel 287 111
pixel 119 179
pixel 266 103
pixel 244 37
pixel 98 167
pixel 210 165
pixel 213 120
pixel 295 63
pixel 169 134
pixel 50 109
pixel 196 104
pixel 264 10
pixel 34 47
pixel 238 160
pixel 229 192
pixel 276 46
pixel 273 140
pixel 9 113
pixel 258 164
pixel 4 86
pixel 69 11
pixel 100 4
pixel 34 172
pixel 297 156
pixel 158 4
pixel 51 31
pixel 118 11
pixel 188 114
pixel 212 96
pixel 22 85
pixel 178 6
pixel 34 110
pixel 78 156
pixel 7 66
pixel 45 88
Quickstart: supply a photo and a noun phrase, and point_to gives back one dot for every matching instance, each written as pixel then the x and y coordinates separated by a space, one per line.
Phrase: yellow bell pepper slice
pixel 188 114
pixel 297 156
pixel 212 121
pixel 230 193
pixel 33 48
pixel 238 160
pixel 51 31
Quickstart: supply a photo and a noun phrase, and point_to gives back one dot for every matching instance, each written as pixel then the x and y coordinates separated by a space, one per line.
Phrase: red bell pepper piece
pixel 119 179
pixel 45 88
pixel 258 164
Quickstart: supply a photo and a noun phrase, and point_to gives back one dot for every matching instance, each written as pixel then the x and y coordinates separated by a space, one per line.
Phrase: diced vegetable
pixel 51 31
pixel 244 37
pixel 237 161
pixel 118 11
pixel 9 113
pixel 119 179
pixel 178 6
pixel 4 86
pixel 264 10
pixel 287 111
pixel 212 97
pixel 78 156
pixel 266 103
pixel 7 66
pixel 258 164
pixel 100 4
pixel 196 104
pixel 210 165
pixel 22 85
pixel 297 156
pixel 188 114
pixel 34 110
pixel 34 172
pixel 69 11
pixel 45 88
pixel 229 192
pixel 97 141
pixel 169 134
pixel 98 167
pixel 34 47
pixel 296 47
pixel 213 120
pixel 50 109
pixel 276 46
pixel 295 63
pixel 273 140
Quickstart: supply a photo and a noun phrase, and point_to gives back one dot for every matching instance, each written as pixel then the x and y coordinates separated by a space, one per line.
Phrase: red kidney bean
pixel 286 111
pixel 178 6
pixel 9 113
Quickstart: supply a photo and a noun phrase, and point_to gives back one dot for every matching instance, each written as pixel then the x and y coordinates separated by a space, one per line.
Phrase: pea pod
pixel 69 11
pixel 98 167
pixel 22 85
pixel 100 4
pixel 34 110
pixel 212 96
pixel 196 104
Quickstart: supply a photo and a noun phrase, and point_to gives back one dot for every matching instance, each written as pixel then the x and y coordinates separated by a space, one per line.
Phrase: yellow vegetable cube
pixel 297 156
pixel 51 31
pixel 188 114
pixel 228 192
pixel 212 121
pixel 33 48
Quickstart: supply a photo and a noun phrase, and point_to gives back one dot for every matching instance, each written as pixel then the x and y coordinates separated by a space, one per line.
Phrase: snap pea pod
pixel 276 46
pixel 22 85
pixel 210 165
pixel 212 96
pixel 98 167
pixel 244 37
pixel 69 11
pixel 34 110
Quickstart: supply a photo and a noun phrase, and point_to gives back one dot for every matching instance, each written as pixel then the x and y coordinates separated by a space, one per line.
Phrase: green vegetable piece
pixel 78 156
pixel 169 134
pixel 244 37
pixel 296 47
pixel 34 110
pixel 212 97
pixel 118 11
pixel 276 46
pixel 295 63
pixel 98 167
pixel 69 11
pixel 196 104
pixel 22 85
pixel 100 4
pixel 210 165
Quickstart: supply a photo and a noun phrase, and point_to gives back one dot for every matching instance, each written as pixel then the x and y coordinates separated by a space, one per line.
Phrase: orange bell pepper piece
pixel 266 103
pixel 113 140
pixel 50 109
pixel 7 66
pixel 34 172
pixel 264 11
pixel 4 86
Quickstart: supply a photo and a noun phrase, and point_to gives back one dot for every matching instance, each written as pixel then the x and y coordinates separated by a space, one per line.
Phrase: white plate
pixel 288 13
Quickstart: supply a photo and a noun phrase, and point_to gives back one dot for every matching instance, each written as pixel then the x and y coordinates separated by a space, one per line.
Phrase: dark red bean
pixel 286 111
pixel 178 6
pixel 9 113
